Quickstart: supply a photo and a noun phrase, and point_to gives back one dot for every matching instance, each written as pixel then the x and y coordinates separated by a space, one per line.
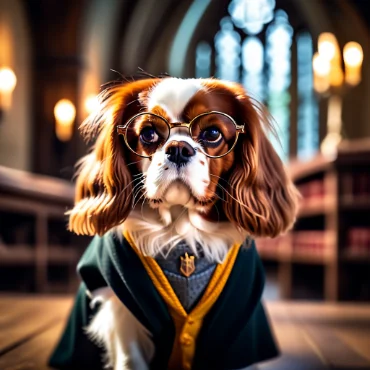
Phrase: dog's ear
pixel 104 197
pixel 260 198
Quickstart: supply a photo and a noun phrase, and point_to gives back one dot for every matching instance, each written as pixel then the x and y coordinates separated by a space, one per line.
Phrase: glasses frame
pixel 122 130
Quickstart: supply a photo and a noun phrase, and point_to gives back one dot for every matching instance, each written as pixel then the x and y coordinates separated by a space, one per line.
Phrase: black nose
pixel 179 152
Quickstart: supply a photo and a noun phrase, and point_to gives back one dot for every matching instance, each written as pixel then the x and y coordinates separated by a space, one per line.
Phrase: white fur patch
pixel 127 342
pixel 154 235
pixel 177 193
pixel 173 94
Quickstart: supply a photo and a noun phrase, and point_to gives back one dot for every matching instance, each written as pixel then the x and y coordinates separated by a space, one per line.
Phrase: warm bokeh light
pixel 327 63
pixel 321 85
pixel 353 54
pixel 329 146
pixel 327 46
pixel 329 59
pixel 65 111
pixel 91 103
pixel 353 57
pixel 8 81
pixel 336 76
pixel 321 66
pixel 65 114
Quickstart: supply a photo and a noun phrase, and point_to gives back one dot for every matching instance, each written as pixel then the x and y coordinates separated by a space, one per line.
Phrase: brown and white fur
pixel 210 202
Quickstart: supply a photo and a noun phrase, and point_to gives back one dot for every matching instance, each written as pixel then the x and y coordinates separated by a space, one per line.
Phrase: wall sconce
pixel 331 81
pixel 65 114
pixel 8 81
pixel 91 103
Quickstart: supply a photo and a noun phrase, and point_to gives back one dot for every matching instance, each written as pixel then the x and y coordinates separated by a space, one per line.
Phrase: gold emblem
pixel 187 265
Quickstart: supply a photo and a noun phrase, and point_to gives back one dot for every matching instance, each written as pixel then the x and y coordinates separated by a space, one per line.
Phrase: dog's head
pixel 199 144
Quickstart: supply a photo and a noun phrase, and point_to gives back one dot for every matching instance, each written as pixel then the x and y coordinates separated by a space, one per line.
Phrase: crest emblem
pixel 187 265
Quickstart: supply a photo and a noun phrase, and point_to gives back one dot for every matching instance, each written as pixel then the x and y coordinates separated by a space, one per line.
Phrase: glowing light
pixel 91 103
pixel 336 76
pixel 329 146
pixel 353 57
pixel 327 46
pixel 8 80
pixel 65 114
pixel 321 66
pixel 353 54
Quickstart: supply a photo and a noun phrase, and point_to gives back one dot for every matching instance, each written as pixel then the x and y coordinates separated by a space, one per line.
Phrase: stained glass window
pixel 203 56
pixel 251 15
pixel 227 45
pixel 308 120
pixel 253 63
pixel 279 37
pixel 261 61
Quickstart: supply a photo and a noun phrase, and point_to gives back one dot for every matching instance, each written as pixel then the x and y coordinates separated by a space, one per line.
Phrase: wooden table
pixel 312 336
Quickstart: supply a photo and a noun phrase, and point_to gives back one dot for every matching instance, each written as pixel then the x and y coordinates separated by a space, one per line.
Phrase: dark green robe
pixel 235 332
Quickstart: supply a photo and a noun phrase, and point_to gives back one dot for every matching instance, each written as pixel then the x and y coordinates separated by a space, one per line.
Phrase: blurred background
pixel 308 61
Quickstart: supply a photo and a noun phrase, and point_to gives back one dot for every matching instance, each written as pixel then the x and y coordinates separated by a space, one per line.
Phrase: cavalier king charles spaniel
pixel 176 163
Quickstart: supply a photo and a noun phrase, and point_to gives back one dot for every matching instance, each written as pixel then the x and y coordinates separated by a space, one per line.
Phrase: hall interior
pixel 307 61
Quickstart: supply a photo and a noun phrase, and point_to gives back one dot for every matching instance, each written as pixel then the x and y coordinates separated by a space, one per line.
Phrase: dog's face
pixel 222 158
pixel 180 169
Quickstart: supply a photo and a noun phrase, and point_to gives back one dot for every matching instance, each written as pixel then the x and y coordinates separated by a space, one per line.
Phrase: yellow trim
pixel 187 325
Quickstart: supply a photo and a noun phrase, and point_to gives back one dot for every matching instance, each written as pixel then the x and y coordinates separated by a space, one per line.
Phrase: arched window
pixel 227 45
pixel 203 55
pixel 251 15
pixel 278 57
pixel 308 113
pixel 253 64
pixel 260 58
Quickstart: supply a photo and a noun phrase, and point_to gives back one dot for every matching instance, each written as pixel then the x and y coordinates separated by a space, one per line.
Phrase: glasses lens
pixel 146 133
pixel 215 132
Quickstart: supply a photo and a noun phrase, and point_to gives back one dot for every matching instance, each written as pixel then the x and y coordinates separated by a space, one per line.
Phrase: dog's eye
pixel 148 135
pixel 211 134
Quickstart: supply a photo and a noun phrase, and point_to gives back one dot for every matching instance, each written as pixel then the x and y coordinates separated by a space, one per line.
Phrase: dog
pixel 180 180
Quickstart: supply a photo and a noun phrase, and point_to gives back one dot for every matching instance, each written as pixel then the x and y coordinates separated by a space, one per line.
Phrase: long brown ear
pixel 262 199
pixel 103 197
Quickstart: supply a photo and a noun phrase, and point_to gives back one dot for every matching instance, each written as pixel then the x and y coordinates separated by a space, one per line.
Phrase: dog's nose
pixel 179 152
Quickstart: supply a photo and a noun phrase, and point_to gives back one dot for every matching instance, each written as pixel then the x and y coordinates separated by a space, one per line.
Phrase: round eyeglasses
pixel 216 132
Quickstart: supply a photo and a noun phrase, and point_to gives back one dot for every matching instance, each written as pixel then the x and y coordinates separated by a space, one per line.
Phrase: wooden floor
pixel 311 336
